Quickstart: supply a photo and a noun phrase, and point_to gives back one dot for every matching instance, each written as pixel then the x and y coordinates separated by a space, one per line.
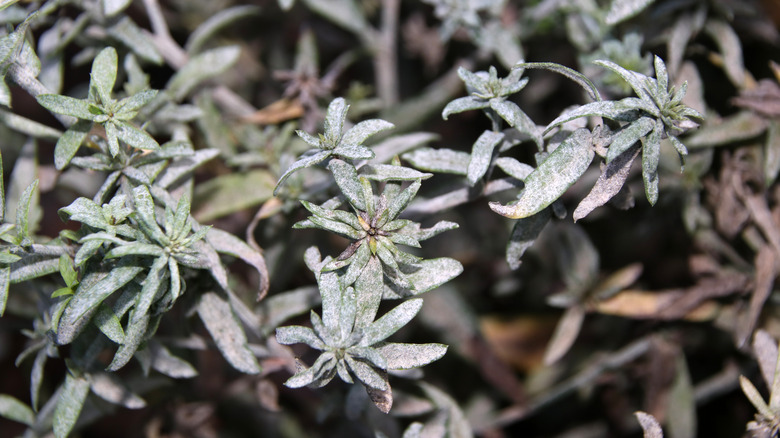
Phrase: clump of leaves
pixel 100 108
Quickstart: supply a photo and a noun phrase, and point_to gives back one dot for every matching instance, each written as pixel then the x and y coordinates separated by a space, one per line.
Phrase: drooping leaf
pixel 609 184
pixel 111 389
pixel 562 168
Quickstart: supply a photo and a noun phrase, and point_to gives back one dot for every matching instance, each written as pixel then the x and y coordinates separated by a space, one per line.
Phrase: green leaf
pixel 562 168
pixel 65 105
pixel 482 155
pixel 517 119
pixel 218 317
pixel 144 211
pixel 108 323
pixel 463 104
pixel 103 75
pixel 74 393
pixel 401 201
pixel 68 144
pixel 322 367
pixel 33 266
pixel 6 3
pixel 623 110
pixel 409 356
pixel 637 81
pixel 14 410
pixel 136 248
pixel 366 373
pixel 390 322
pixel 5 281
pixel 427 275
pixel 388 172
pixel 67 272
pixel 23 213
pixel 135 137
pixel 207 65
pixel 439 160
pixel 368 289
pixel 134 336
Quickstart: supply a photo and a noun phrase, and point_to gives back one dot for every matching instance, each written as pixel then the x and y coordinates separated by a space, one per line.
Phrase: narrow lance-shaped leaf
pixel 206 65
pixel 68 144
pixel 13 409
pixel 651 155
pixel 482 154
pixel 226 243
pixel 609 184
pixel 230 338
pixel 74 393
pixel 409 356
pixel 103 75
pixel 390 322
pixel 552 178
pixel 346 178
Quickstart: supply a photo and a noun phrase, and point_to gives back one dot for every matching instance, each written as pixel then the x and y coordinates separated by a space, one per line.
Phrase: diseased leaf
pixel 224 328
pixel 463 104
pixel 89 295
pixel 166 363
pixel 387 172
pixel 390 322
pixel 731 49
pixel 103 75
pixel 215 23
pixel 28 126
pixel 482 155
pixel 621 10
pixel 5 281
pixel 772 153
pixel 651 155
pixel 610 182
pixel 408 356
pixel 74 393
pixel 649 425
pixel 126 31
pixel 113 7
pixel 65 105
pixel 204 66
pixel 229 193
pixel 344 13
pixel 514 168
pixel 296 334
pixel 552 178
pixel 346 178
pixel 439 160
pixel 742 126
pixel 226 243
pixel 135 137
pixel 359 133
pixel 755 397
pixel 366 373
pixel 110 388
pixel 524 234
pixel 565 334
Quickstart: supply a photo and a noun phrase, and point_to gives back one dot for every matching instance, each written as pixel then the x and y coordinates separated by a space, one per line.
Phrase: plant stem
pixel 386 60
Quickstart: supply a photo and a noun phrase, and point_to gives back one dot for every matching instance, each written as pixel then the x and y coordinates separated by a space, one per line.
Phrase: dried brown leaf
pixel 566 333
pixel 277 112
pixel 766 271
pixel 763 99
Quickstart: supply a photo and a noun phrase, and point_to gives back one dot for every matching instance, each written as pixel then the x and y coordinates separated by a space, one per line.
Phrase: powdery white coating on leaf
pixel 463 104
pixel 627 136
pixel 134 336
pixel 385 150
pixel 109 324
pixel 365 129
pixel 579 78
pixel 562 168
pixel 651 155
pixel 755 397
pixel 368 288
pixel 429 274
pixel 74 392
pixel 611 180
pixel 103 75
pixel 221 20
pixel 524 234
pixel 33 266
pixel 439 160
pixel 13 409
pixel 86 211
pixel 388 172
pixel 111 389
pixel 765 351
pixel 408 356
pixel 5 281
pixel 390 322
pixel 457 425
pixel 135 137
pixel 201 67
pixel 481 155
pixel 140 42
pixel 65 105
pixel 113 7
pixel 649 425
pixel 514 168
pixel 163 361
pixel 27 126
pixel 346 178
pixel 366 373
pixel 88 296
pixel 296 334
pixel 226 243
pixel 621 10
pixel 226 332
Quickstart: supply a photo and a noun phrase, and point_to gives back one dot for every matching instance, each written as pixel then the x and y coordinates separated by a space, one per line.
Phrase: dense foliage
pixel 211 209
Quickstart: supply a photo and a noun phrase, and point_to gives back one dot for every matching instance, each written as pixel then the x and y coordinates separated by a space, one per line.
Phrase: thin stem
pixel 386 60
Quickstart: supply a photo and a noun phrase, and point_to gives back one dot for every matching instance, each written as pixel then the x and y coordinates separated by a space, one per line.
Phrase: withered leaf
pixel 611 180
pixel 763 99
